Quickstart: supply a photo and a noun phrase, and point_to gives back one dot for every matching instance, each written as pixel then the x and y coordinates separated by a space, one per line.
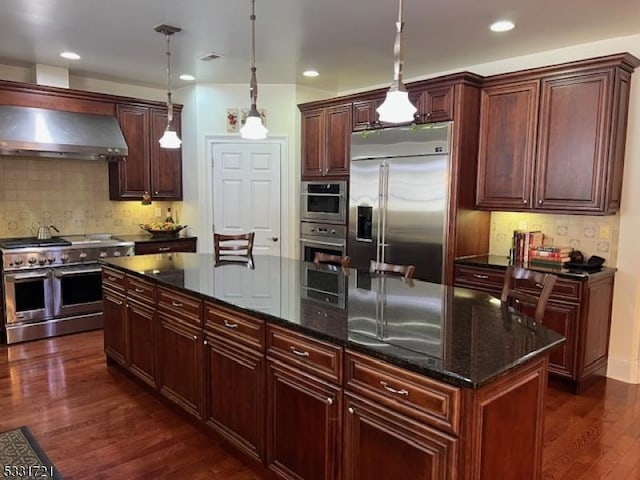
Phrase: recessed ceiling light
pixel 187 77
pixel 502 26
pixel 70 55
pixel 310 73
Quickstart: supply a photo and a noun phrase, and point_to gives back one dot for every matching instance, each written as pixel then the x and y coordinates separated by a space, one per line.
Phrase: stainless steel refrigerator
pixel 399 198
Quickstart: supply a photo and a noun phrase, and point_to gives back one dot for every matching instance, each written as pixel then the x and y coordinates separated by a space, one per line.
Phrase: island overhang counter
pixel 321 372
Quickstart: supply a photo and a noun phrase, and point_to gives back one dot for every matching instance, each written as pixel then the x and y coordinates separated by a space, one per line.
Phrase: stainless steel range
pixel 53 287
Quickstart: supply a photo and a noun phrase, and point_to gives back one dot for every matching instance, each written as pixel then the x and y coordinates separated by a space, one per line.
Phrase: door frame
pixel 206 244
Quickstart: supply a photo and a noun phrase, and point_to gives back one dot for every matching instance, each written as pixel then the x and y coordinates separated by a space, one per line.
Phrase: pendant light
pixel 397 108
pixel 253 129
pixel 170 138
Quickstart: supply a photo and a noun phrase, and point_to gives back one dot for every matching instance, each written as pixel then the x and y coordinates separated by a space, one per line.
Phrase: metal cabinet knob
pixel 351 410
pixel 275 239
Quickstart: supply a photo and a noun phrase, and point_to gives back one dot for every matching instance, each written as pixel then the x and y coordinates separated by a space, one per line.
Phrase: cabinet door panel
pixel 166 163
pixel 313 146
pixel 131 177
pixel 574 124
pixel 180 359
pixel 235 395
pixel 561 318
pixel 303 424
pixel 435 104
pixel 338 140
pixel 383 444
pixel 507 141
pixel 114 317
pixel 142 342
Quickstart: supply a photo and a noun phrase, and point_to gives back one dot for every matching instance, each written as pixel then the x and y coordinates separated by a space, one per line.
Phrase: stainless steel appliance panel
pixel 77 290
pixel 400 178
pixel 324 202
pixel 28 296
pixel 321 237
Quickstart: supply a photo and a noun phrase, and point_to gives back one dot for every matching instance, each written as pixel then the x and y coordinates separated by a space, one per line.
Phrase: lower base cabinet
pixel 180 364
pixel 114 313
pixel 304 424
pixel 234 403
pixel 142 342
pixel 380 443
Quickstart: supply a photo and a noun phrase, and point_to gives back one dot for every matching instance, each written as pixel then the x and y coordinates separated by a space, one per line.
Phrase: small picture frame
pixel 233 120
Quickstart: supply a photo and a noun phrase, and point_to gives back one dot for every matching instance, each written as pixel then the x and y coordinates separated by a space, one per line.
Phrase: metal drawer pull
pixel 481 277
pixel 164 249
pixel 329 401
pixel 539 285
pixel 298 352
pixel 117 302
pixel 230 325
pixel 177 304
pixel 139 290
pixel 386 386
pixel 111 279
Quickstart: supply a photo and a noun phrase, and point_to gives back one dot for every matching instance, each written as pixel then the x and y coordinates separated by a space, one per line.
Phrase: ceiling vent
pixel 210 56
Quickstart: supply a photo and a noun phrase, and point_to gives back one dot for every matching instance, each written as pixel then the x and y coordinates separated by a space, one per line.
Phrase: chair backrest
pixel 405 270
pixel 240 245
pixel 320 257
pixel 542 281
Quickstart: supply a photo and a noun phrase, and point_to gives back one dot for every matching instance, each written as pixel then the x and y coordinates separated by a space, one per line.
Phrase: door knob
pixel 275 239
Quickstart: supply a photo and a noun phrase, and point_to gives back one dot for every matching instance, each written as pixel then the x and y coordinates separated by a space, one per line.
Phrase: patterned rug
pixel 21 457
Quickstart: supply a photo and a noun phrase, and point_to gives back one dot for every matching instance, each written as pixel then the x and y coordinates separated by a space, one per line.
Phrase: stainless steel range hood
pixel 40 132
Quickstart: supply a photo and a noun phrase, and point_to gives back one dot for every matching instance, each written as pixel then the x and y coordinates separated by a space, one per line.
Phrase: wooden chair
pixel 543 281
pixel 404 270
pixel 320 257
pixel 228 247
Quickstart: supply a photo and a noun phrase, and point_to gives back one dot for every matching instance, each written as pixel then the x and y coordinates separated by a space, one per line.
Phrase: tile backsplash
pixel 592 235
pixel 71 194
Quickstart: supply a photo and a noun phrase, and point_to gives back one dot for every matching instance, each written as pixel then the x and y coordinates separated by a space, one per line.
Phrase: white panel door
pixel 246 193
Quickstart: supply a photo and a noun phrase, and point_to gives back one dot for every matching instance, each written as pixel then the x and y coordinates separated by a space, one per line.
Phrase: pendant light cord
pixel 398 53
pixel 169 102
pixel 253 87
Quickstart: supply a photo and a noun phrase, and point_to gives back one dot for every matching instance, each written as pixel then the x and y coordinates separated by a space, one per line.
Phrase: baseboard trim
pixel 623 369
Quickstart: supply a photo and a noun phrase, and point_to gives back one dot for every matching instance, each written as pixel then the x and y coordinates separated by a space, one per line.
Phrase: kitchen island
pixel 322 373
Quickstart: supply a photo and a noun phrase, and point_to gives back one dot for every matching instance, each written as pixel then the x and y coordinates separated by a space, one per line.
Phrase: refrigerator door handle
pixel 383 206
pixel 379 214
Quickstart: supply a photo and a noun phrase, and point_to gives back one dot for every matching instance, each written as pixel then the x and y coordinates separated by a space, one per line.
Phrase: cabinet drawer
pixel 564 289
pixel 177 245
pixel 185 307
pixel 314 356
pixel 414 395
pixel 230 325
pixel 113 279
pixel 487 279
pixel 141 290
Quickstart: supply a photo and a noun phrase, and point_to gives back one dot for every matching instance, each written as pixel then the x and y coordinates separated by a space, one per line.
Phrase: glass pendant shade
pixel 396 108
pixel 253 129
pixel 170 139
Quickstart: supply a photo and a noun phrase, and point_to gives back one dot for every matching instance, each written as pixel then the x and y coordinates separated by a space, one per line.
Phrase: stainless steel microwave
pixel 324 202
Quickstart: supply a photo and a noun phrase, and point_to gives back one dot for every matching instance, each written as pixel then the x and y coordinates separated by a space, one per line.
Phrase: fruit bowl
pixel 162 230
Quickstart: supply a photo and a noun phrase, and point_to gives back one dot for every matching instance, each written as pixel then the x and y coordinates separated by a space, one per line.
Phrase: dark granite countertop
pixel 146 237
pixel 456 335
pixel 501 263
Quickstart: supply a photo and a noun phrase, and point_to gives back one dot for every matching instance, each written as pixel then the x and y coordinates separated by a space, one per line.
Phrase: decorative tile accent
pixel 562 230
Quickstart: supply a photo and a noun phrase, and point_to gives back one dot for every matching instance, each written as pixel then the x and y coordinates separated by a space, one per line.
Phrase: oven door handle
pixel 67 273
pixel 27 276
pixel 307 194
pixel 320 242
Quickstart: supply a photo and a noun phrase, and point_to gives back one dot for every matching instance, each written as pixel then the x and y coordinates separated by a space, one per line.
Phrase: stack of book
pixel 547 256
pixel 522 244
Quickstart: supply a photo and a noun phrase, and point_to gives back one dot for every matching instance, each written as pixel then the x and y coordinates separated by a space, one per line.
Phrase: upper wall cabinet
pixel 434 103
pixel 553 139
pixel 326 141
pixel 147 168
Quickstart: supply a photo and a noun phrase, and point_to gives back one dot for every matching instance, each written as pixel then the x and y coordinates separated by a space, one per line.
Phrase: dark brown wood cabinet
pixel 326 136
pixel 234 364
pixel 578 309
pixel 147 168
pixel 382 443
pixel 552 139
pixel 115 334
pixel 433 103
pixel 180 350
pixel 365 115
pixel 142 341
pixel 187 244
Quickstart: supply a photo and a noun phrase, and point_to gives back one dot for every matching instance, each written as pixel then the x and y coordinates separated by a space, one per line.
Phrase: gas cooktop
pixel 26 242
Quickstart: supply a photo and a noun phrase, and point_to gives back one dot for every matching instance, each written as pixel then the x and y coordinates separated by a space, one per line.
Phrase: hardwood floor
pixel 96 422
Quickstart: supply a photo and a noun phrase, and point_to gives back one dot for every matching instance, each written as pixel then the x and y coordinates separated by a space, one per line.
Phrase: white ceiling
pixel 349 41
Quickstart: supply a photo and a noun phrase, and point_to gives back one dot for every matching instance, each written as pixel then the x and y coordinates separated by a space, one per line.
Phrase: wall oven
pixel 324 202
pixel 320 237
pixel 77 290
pixel 28 296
